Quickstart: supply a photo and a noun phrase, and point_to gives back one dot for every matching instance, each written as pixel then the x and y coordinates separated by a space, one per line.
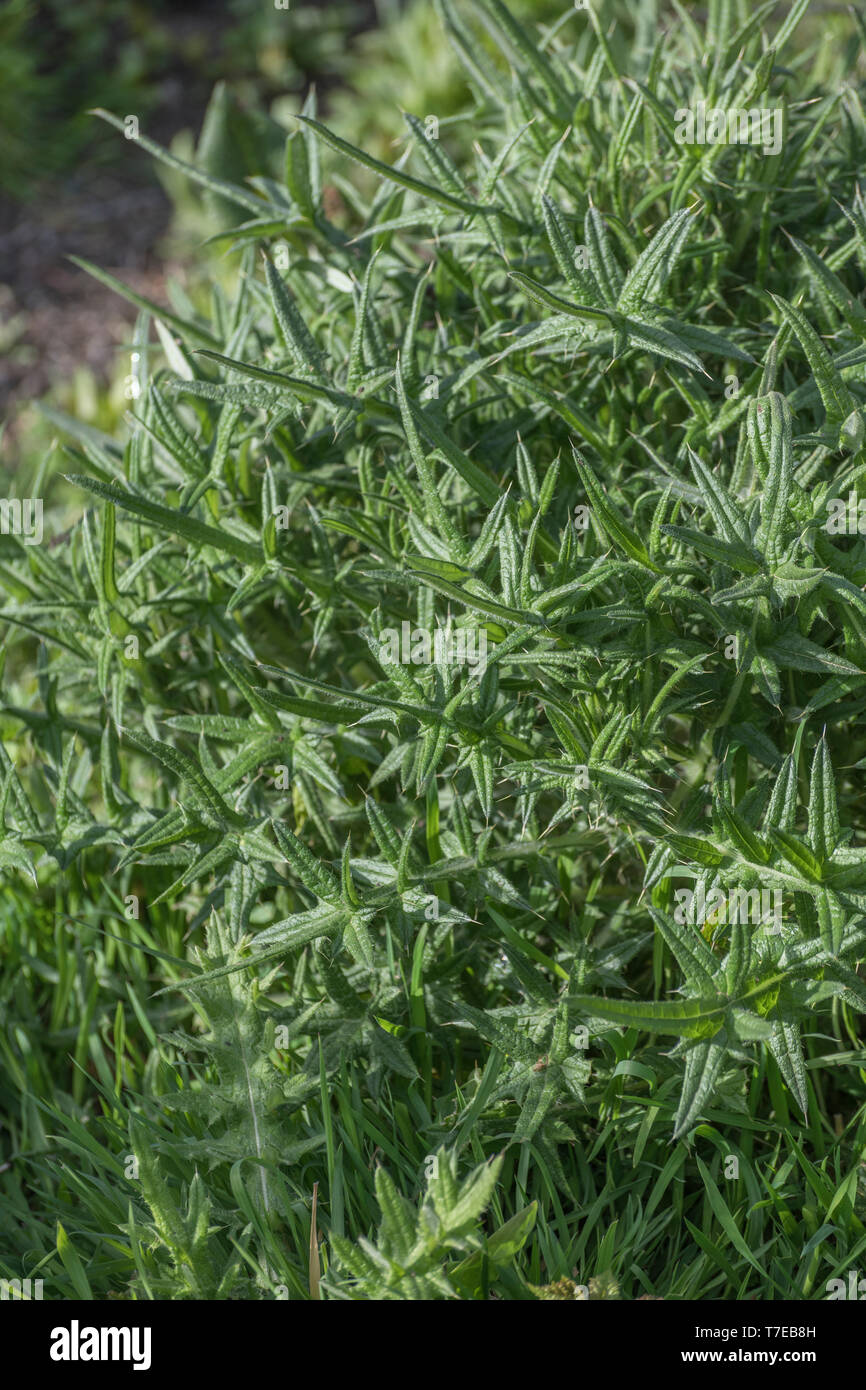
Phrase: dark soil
pixel 111 210
pixel 69 319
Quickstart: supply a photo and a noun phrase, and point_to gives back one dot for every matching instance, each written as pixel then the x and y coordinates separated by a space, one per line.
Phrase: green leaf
pixel 692 954
pixel 796 853
pixel 787 1049
pixel 823 813
pixel 387 171
pixel 686 1018
pixel 838 400
pixel 185 327
pixel 610 519
pixel 203 793
pixel 71 1262
pixel 648 275
pixel 165 519
pixel 241 196
pixel 702 1064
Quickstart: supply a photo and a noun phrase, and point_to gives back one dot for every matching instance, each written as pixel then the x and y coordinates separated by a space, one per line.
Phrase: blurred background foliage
pixel 156 58
pixel 215 83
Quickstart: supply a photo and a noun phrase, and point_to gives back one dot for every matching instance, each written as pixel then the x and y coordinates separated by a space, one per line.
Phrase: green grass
pixel 288 921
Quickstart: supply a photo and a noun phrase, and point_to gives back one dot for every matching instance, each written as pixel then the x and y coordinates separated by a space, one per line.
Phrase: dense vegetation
pixel 334 966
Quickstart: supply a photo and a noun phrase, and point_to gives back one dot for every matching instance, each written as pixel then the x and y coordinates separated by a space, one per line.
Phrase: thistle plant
pixel 588 391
